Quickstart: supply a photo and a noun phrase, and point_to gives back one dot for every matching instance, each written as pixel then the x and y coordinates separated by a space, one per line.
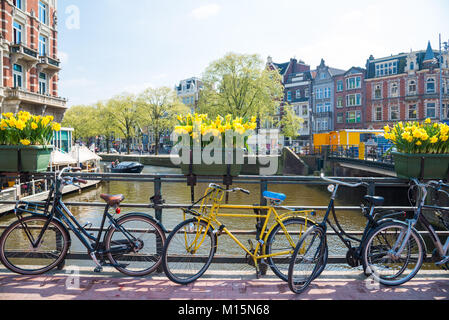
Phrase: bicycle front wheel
pixel 135 246
pixel 20 252
pixel 308 259
pixel 281 245
pixel 382 260
pixel 189 251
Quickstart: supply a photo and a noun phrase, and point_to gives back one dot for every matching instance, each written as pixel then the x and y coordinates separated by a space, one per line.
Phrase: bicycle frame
pixel 211 218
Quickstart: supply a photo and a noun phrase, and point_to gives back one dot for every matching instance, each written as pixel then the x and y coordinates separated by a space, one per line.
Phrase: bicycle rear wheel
pixel 382 264
pixel 142 242
pixel 16 245
pixel 189 251
pixel 308 259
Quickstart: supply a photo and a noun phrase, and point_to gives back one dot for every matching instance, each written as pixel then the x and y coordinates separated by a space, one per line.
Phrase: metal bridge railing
pixel 263 181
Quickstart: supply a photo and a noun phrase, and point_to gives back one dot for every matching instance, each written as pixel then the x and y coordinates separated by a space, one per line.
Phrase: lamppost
pixel 443 46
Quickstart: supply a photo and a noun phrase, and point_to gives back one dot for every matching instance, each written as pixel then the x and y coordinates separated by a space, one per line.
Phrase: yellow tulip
pixel 34 126
pixel 434 140
pixel 428 121
pixel 25 142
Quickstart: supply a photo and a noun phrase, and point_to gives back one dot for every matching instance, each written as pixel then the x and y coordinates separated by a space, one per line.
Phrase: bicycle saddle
pixel 112 200
pixel 274 196
pixel 377 201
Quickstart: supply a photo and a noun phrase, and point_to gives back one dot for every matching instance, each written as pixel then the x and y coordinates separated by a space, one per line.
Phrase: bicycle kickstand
pixel 99 267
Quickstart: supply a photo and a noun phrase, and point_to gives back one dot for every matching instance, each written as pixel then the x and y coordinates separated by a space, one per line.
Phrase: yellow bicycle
pixel 191 246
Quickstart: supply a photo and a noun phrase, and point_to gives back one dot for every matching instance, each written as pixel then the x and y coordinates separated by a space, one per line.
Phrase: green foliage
pixel 83 120
pixel 240 85
pixel 290 123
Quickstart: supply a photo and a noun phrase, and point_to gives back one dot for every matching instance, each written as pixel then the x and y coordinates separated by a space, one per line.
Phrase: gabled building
pixel 324 98
pixel 350 99
pixel 297 81
pixel 188 92
pixel 29 58
pixel 406 87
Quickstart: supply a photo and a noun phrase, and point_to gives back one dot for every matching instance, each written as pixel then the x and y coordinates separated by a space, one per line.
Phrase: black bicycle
pixel 38 243
pixel 310 256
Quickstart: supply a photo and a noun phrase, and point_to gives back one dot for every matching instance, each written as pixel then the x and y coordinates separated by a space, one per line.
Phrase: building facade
pixel 324 98
pixel 188 92
pixel 297 81
pixel 406 87
pixel 349 92
pixel 29 58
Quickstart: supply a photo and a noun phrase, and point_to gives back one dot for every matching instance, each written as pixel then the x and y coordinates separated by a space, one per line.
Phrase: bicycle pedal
pixel 443 262
pixel 98 269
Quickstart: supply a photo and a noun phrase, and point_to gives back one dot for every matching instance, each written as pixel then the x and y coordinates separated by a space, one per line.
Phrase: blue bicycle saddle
pixel 274 196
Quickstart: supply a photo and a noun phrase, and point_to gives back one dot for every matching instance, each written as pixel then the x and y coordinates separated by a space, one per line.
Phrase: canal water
pixel 179 193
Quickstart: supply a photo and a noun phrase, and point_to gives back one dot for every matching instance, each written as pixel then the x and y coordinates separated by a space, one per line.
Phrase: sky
pixel 108 47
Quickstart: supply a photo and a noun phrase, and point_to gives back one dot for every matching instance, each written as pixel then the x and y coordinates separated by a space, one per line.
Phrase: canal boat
pixel 126 167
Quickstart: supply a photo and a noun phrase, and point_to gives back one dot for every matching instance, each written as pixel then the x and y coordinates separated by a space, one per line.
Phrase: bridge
pixel 76 282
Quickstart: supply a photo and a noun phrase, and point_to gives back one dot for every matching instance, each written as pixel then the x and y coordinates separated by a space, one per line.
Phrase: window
pixel 430 85
pixel 353 100
pixel 42 83
pixel 394 89
pixel 445 111
pixel 340 117
pixel 327 107
pixel 319 108
pixel 42 46
pixel 305 125
pixel 412 86
pixel 412 66
pixel 306 93
pixel 353 83
pixel 353 117
pixel 378 113
pixel 298 94
pixel 289 96
pixel 42 12
pixel 340 85
pixel 431 111
pixel 394 113
pixel 339 102
pixel 17 33
pixel 18 4
pixel 327 92
pixel 412 112
pixel 323 76
pixel 378 91
pixel 18 76
pixel 386 68
pixel 305 112
pixel 319 93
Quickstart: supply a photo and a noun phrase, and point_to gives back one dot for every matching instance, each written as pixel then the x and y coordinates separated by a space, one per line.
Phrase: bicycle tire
pixel 375 255
pixel 151 237
pixel 17 255
pixel 280 264
pixel 176 251
pixel 310 255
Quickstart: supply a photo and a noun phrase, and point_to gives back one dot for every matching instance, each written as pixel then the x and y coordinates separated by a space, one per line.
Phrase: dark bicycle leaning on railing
pixel 310 256
pixel 395 252
pixel 38 243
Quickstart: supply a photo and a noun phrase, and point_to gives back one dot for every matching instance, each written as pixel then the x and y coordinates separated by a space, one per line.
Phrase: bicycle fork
pixel 402 240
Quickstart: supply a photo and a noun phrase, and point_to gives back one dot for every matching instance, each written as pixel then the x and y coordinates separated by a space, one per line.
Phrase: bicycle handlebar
pixel 351 185
pixel 216 186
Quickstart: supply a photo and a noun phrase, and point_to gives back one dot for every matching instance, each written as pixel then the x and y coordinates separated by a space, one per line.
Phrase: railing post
pixel 157 193
pixel 371 189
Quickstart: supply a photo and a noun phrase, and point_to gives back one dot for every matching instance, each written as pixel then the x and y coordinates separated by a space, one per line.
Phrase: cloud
pixel 205 11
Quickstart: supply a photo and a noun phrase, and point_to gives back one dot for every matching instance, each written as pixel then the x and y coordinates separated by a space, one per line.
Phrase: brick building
pixel 349 91
pixel 29 58
pixel 405 87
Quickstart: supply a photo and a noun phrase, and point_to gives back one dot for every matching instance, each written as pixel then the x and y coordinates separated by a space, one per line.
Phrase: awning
pixel 59 158
pixel 82 154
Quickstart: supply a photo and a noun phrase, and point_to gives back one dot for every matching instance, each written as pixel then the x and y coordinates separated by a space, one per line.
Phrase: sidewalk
pixel 110 285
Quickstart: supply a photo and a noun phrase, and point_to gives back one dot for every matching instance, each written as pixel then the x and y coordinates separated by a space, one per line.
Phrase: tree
pixel 82 119
pixel 240 85
pixel 107 124
pixel 158 110
pixel 290 123
pixel 124 112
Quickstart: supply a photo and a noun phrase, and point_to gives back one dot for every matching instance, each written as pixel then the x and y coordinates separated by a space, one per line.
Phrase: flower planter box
pixel 35 158
pixel 435 166
pixel 214 169
pixel 9 158
pixel 25 158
